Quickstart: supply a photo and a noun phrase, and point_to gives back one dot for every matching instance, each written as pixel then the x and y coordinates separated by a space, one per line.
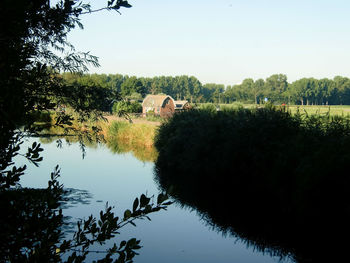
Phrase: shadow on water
pixel 29 217
pixel 73 197
pixel 274 181
pixel 32 216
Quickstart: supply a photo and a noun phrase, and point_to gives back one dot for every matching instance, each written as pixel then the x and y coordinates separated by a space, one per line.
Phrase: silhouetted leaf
pixel 135 205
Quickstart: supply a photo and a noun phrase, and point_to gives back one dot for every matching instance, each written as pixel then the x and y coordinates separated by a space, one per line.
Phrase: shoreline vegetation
pixel 137 137
pixel 117 133
pixel 273 178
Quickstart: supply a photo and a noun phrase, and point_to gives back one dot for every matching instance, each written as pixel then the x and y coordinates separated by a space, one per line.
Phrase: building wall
pixel 168 108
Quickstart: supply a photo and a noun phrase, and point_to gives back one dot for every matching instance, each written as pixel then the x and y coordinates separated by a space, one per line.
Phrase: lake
pixel 179 234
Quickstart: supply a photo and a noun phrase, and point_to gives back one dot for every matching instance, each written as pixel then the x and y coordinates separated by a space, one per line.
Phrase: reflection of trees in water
pixel 315 240
pixel 142 153
pixel 228 221
pixel 60 139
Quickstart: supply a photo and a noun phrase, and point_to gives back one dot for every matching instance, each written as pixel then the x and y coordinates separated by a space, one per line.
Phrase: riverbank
pixel 137 138
pixel 120 135
pixel 136 120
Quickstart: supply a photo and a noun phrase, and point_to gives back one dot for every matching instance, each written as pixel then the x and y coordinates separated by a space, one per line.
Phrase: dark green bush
pixel 265 167
pixel 41 116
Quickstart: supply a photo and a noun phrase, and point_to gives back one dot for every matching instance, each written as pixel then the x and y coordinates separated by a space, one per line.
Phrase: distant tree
pixel 258 90
pixel 324 90
pixel 194 89
pixel 208 90
pixel 298 90
pixel 132 85
pixel 230 94
pixel 340 90
pixel 214 92
pixel 248 89
pixel 135 96
pixel 275 86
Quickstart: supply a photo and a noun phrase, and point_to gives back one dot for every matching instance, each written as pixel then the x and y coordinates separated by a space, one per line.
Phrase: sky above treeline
pixel 220 41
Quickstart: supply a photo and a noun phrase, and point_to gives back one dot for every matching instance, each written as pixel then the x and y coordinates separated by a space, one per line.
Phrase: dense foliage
pixel 276 88
pixel 33 52
pixel 122 107
pixel 263 173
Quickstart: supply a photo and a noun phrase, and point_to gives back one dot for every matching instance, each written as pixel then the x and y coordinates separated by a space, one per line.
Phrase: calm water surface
pixel 175 235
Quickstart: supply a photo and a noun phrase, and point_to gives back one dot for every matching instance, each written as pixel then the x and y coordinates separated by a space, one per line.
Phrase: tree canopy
pixel 305 91
pixel 33 52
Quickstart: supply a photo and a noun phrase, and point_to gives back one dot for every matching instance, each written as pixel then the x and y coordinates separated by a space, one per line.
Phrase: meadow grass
pixel 320 109
pixel 132 133
pixel 303 109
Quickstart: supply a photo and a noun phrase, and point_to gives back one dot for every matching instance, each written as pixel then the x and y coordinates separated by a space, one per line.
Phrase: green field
pixel 305 109
pixel 333 110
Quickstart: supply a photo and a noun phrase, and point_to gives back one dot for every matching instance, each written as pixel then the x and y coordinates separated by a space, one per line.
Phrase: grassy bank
pixel 317 109
pixel 132 137
pixel 119 135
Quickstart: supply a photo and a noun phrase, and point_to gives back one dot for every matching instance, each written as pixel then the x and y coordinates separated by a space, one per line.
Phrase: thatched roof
pixel 155 100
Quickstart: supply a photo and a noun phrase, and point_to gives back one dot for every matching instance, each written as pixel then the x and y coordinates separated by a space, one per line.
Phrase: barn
pixel 162 105
pixel 181 105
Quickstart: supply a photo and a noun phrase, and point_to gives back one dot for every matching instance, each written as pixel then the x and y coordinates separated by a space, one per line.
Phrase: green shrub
pixel 234 105
pixel 121 107
pixel 208 107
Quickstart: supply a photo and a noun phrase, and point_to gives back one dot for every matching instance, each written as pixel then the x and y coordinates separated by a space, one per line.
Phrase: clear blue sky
pixel 220 41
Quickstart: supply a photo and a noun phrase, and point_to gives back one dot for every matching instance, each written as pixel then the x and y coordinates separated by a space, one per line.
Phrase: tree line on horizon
pixel 276 88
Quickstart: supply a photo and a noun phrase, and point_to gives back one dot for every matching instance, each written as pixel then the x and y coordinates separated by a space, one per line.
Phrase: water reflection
pixel 142 153
pixel 176 235
pixel 239 213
